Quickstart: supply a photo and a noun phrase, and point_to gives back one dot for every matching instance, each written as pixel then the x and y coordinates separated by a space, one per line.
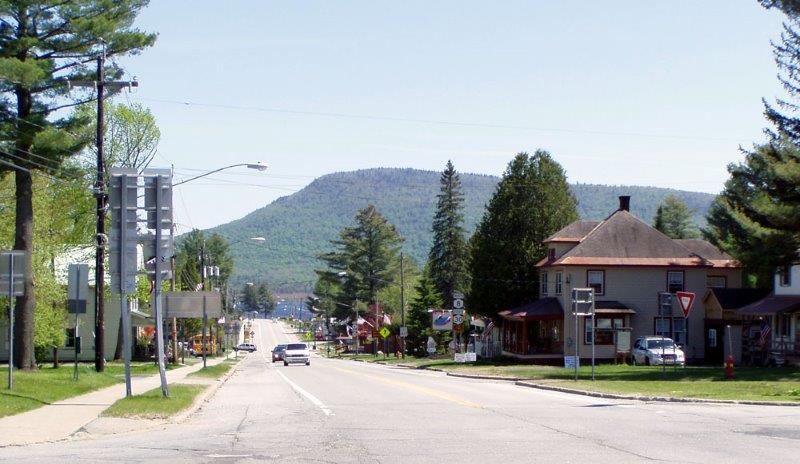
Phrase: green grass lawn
pixel 216 371
pixel 152 405
pixel 752 383
pixel 47 385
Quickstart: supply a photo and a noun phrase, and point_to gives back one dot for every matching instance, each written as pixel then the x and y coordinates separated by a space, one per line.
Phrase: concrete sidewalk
pixel 60 420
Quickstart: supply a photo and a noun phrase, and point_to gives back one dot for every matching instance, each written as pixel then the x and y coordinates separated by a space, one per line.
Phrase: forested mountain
pixel 299 226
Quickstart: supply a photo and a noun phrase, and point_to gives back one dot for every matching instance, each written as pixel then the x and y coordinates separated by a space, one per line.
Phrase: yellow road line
pixel 417 388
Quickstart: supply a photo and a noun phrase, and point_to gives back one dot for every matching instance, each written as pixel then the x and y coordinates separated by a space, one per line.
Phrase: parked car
pixel 297 353
pixel 249 347
pixel 278 352
pixel 655 350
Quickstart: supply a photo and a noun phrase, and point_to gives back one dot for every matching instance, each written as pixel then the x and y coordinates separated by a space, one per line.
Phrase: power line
pixel 440 122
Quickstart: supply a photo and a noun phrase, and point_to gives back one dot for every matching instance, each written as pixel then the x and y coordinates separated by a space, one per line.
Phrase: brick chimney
pixel 624 203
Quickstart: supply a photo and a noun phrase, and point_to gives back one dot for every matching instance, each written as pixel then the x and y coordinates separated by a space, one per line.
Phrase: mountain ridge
pixel 300 225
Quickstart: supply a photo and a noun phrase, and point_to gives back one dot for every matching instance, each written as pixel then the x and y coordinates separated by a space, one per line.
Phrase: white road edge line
pixel 306 394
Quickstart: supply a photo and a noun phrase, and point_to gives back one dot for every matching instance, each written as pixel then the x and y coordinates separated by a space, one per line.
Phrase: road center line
pixel 306 394
pixel 417 388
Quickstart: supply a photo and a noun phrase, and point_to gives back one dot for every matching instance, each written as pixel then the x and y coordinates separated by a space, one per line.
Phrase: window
pixel 604 329
pixel 543 278
pixel 716 282
pixel 671 327
pixel 675 281
pixel 70 343
pixel 551 254
pixel 597 281
pixel 786 276
pixel 712 338
pixel 559 286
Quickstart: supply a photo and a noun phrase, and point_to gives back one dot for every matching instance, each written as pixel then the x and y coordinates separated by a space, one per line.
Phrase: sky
pixel 619 92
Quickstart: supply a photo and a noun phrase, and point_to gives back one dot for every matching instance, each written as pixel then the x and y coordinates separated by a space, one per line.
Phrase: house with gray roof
pixel 628 263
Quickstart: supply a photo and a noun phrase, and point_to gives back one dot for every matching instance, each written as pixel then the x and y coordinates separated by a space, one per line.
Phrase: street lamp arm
pixel 259 167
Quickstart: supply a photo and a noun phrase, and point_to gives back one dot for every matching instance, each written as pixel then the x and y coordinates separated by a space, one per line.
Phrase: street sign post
pixel 582 306
pixel 685 300
pixel 664 311
pixel 458 318
pixel 12 284
pixel 77 294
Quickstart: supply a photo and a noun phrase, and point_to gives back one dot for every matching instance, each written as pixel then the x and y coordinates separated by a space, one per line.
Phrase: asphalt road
pixel 340 411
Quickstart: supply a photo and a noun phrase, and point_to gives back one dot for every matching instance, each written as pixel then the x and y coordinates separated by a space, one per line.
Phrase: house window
pixel 786 276
pixel 544 283
pixel 604 329
pixel 675 281
pixel 671 327
pixel 597 281
pixel 559 286
pixel 552 254
pixel 70 343
pixel 716 282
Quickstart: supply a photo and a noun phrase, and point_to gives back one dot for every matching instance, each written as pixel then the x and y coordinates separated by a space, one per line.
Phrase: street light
pixel 257 166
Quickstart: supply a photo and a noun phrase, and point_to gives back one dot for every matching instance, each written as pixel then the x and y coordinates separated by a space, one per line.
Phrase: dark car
pixel 278 353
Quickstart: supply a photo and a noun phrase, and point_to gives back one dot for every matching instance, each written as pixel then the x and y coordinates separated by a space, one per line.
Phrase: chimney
pixel 624 203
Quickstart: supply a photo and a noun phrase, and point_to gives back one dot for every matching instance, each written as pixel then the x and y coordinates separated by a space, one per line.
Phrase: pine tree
pixel 532 201
pixel 43 43
pixel 419 319
pixel 757 218
pixel 674 219
pixel 448 255
pixel 367 254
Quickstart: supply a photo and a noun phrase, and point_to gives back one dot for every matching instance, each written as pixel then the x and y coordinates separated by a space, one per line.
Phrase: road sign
pixel 384 332
pixel 190 304
pixel 403 332
pixel 685 300
pixel 77 288
pixel 12 268
pixel 458 319
pixel 458 303
pixel 442 320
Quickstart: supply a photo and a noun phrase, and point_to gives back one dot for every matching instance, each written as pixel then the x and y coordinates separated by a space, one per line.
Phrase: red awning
pixel 543 309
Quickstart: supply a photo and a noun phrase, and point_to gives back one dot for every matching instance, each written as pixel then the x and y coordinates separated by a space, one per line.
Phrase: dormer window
pixel 552 254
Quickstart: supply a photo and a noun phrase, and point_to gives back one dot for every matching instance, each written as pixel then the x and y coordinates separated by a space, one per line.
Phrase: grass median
pixel 153 405
pixel 216 371
pixel 751 383
pixel 33 389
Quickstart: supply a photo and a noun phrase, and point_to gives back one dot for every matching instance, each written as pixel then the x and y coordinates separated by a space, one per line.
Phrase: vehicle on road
pixel 297 353
pixel 249 347
pixel 655 350
pixel 278 352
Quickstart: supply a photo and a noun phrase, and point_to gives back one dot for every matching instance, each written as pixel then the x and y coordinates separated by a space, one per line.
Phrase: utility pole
pixel 402 304
pixel 203 282
pixel 99 259
pixel 100 84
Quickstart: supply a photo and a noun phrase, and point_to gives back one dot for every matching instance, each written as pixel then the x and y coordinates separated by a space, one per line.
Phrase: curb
pixel 483 377
pixel 203 397
pixel 663 399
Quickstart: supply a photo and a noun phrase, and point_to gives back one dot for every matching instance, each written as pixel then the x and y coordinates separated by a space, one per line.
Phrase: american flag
pixel 765 330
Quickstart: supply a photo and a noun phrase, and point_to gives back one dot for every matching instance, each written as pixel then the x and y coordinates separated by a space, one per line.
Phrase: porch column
pixel 525 337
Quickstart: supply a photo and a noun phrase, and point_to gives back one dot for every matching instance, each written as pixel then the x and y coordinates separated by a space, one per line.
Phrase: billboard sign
pixel 442 319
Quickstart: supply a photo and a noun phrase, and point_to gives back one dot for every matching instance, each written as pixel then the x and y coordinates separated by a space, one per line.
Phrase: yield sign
pixel 685 299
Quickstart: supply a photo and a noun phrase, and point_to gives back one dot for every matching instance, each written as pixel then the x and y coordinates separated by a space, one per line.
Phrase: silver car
pixel 296 353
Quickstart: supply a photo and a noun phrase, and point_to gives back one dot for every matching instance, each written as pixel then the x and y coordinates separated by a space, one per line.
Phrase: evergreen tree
pixel 419 319
pixel 264 297
pixel 250 296
pixel 532 201
pixel 42 44
pixel 367 254
pixel 757 217
pixel 448 256
pixel 674 219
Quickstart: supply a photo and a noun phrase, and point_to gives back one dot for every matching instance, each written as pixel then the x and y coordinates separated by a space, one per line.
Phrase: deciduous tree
pixel 532 201
pixel 674 219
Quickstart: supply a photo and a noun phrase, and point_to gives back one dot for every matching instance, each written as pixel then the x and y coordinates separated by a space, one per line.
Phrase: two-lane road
pixel 340 411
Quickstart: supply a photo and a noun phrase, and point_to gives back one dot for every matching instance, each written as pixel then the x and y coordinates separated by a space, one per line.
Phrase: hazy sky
pixel 620 92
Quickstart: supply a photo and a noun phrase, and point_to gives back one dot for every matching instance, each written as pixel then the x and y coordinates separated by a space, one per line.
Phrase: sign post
pixel 12 279
pixel 77 294
pixel 686 301
pixel 582 306
pixel 458 317
pixel 664 309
